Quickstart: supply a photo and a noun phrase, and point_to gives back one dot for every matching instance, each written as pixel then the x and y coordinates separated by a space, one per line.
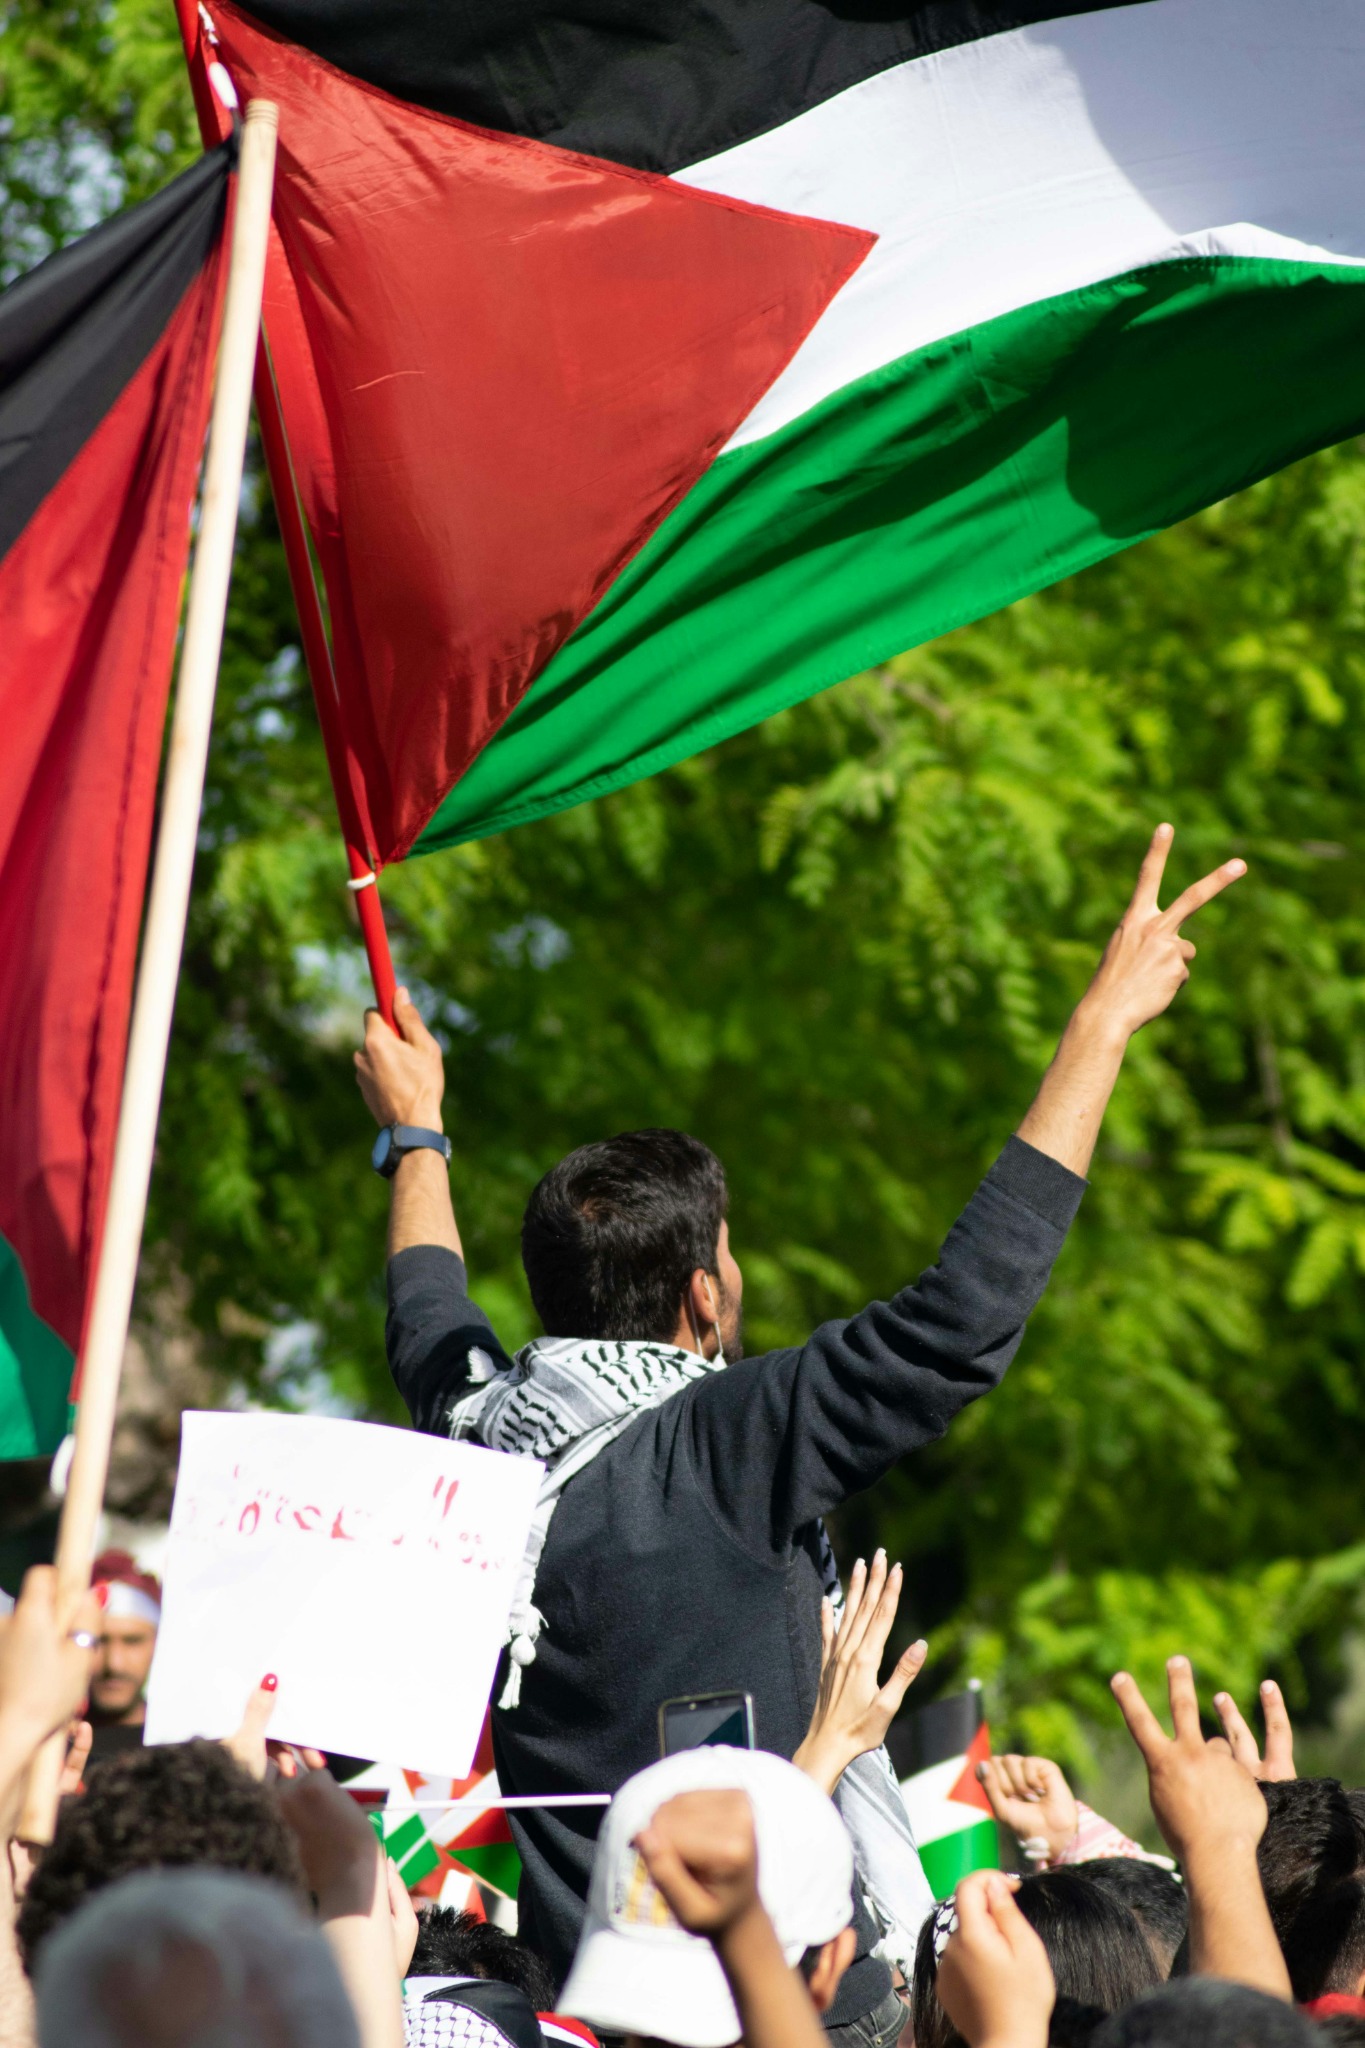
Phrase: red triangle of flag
pixel 968 1789
pixel 485 1828
pixel 504 365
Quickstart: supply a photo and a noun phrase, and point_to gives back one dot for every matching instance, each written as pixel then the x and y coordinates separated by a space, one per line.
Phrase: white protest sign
pixel 370 1569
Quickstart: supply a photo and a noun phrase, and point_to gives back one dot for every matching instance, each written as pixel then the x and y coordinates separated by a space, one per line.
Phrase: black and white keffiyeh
pixel 564 1400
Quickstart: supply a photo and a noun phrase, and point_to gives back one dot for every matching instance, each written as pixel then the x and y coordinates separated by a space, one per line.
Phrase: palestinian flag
pixel 435 1827
pixel 106 362
pixel 954 1827
pixel 649 367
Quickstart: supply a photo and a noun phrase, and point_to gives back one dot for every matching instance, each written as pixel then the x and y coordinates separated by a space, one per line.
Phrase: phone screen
pixel 726 1718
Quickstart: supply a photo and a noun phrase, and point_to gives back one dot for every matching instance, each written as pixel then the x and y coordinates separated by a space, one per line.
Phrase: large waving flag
pixel 106 362
pixel 648 367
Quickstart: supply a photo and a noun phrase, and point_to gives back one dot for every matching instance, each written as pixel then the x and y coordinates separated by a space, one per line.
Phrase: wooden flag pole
pixel 164 935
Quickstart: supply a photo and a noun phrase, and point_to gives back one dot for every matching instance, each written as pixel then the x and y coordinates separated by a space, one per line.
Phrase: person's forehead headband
pixel 129 1603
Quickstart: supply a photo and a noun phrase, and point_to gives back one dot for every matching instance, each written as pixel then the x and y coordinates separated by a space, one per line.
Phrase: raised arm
pixel 791 1436
pixel 1144 965
pixel 433 1327
pixel 1213 1813
pixel 402 1078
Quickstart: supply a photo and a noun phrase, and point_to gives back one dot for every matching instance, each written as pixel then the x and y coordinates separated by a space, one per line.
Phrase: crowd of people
pixel 765 1887
pixel 233 1895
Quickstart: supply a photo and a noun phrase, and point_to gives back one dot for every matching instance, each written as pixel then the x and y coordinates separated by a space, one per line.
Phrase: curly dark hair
pixel 178 1803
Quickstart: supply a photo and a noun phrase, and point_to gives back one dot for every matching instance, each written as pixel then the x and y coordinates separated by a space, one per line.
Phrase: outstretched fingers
pixel 1142 1724
pixel 853 1621
pixel 1202 892
pixel 907 1670
pixel 827 1633
pixel 1279 1733
pixel 1153 868
pixel 882 1616
pixel 1241 1741
pixel 1184 1700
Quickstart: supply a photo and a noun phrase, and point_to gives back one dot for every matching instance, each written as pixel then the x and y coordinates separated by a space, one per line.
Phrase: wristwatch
pixel 397 1139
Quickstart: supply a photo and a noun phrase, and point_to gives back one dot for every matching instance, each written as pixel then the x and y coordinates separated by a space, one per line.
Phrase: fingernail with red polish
pixel 269 1683
pixel 102 1592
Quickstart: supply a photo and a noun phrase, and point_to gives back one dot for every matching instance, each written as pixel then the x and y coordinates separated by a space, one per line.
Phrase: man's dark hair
pixel 1312 1863
pixel 1099 1954
pixel 179 1803
pixel 1155 1897
pixel 1206 2012
pixel 452 1944
pixel 1098 1950
pixel 613 1234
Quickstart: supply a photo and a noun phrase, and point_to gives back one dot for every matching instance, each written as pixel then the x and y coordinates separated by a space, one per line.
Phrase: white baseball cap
pixel 636 1970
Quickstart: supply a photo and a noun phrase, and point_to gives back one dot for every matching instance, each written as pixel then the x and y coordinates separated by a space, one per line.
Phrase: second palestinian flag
pixel 106 371
pixel 955 1831
pixel 649 368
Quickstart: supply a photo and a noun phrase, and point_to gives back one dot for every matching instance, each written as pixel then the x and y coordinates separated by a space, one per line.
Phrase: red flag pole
pixel 317 654
pixel 196 32
pixel 163 937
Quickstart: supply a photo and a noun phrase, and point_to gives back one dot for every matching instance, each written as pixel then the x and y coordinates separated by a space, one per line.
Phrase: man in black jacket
pixel 686 1556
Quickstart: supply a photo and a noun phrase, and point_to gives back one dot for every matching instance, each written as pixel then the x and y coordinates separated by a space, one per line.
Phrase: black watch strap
pixel 395 1141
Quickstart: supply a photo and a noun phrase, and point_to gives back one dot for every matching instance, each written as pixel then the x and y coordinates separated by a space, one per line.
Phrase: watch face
pixel 383 1146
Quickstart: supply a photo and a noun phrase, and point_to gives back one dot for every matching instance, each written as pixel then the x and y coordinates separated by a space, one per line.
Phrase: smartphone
pixel 706 1717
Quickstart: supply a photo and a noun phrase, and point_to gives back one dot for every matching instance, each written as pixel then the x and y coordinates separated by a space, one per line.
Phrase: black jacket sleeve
pixel 776 1441
pixel 432 1327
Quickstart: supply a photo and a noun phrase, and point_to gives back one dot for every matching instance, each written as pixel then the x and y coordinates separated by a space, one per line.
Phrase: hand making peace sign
pixel 1147 960
pixel 1145 963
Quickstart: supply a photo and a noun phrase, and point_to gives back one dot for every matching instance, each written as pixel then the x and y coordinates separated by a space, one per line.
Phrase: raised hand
pixel 1212 1812
pixel 46 1652
pixel 1030 1796
pixel 341 1858
pixel 348 1876
pixel 853 1710
pixel 1144 965
pixel 1201 1796
pixel 994 1979
pixel 701 1851
pixel 1147 961
pixel 402 1078
pixel 1278 1761
pixel 249 1745
pixel 402 1918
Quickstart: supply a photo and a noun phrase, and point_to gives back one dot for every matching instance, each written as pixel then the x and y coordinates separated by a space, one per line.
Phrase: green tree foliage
pixel 840 949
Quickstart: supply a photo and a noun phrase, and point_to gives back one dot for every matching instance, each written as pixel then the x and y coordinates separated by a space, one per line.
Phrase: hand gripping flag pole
pixel 168 904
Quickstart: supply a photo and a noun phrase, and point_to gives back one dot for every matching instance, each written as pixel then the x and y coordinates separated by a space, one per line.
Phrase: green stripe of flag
pixel 409 1845
pixel 925 495
pixel 495 1864
pixel 949 1859
pixel 35 1370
